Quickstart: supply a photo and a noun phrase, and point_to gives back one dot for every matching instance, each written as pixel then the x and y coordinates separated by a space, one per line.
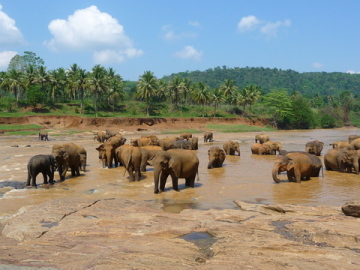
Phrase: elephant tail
pixel 197 176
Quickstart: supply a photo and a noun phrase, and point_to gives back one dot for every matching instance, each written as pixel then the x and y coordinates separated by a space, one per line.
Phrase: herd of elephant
pixel 174 156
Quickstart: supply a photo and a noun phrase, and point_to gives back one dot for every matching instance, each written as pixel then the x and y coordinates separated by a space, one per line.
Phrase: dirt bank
pixel 130 123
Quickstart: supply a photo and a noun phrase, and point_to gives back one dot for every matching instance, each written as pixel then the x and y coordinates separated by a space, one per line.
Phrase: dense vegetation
pixel 287 99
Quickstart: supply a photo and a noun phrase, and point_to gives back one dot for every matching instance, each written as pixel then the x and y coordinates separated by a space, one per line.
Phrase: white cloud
pixel 10 35
pixel 353 72
pixel 5 58
pixel 194 23
pixel 318 65
pixel 270 29
pixel 248 23
pixel 189 52
pixel 90 29
pixel 169 34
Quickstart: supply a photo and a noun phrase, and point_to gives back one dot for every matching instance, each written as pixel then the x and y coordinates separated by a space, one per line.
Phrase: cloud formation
pixel 269 29
pixel 318 65
pixel 10 35
pixel 189 52
pixel 91 30
pixel 5 58
pixel 169 34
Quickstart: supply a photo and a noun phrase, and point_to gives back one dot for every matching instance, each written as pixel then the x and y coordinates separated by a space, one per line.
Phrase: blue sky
pixel 170 36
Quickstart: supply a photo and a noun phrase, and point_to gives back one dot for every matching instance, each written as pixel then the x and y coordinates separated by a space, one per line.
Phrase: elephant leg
pixel 28 179
pixel 63 172
pixel 45 177
pixel 298 176
pixel 131 173
pixel 72 170
pixel 175 180
pixel 137 174
pixel 163 178
pixel 190 182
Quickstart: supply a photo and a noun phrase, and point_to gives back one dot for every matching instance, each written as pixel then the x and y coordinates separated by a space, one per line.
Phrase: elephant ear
pixel 290 165
pixel 175 165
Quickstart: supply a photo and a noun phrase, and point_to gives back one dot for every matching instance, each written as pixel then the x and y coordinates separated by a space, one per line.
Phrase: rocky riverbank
pixel 123 234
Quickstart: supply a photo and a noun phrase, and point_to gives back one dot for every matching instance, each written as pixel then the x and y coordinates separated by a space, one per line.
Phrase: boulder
pixel 352 208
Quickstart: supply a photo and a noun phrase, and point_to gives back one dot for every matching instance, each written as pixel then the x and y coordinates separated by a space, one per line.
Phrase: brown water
pixel 247 177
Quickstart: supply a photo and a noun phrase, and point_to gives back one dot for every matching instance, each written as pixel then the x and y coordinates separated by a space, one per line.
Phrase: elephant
pixel 261 138
pixel 178 163
pixel 147 153
pixel 167 144
pixel 314 147
pixel 130 157
pixel 143 141
pixel 342 160
pixel 43 136
pixel 274 146
pixel 216 157
pixel 194 143
pixel 298 165
pixel 260 149
pixel 107 150
pixel 354 144
pixel 83 156
pixel 185 136
pixel 208 136
pixel 353 137
pixel 66 156
pixel 340 145
pixel 111 133
pixel 232 148
pixel 154 140
pixel 44 164
pixel 100 136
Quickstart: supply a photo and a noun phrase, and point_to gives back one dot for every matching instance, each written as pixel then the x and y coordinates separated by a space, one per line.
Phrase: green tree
pixel 20 63
pixel 302 116
pixel 175 87
pixel 217 97
pixel 147 87
pixel 116 87
pixel 99 84
pixel 278 104
pixel 57 82
pixel 229 89
pixel 201 95
pixel 346 101
pixel 14 82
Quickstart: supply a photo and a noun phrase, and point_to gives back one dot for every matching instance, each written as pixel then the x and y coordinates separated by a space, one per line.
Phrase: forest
pixel 285 98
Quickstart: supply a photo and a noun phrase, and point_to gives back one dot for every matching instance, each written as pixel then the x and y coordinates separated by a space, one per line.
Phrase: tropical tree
pixel 20 63
pixel 42 77
pixel 116 87
pixel 147 87
pixel 229 89
pixel 346 101
pixel 99 84
pixel 253 94
pixel 13 81
pixel 57 81
pixel 201 95
pixel 217 97
pixel 175 87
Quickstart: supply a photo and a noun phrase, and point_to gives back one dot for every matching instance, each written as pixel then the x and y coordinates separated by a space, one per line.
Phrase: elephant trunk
pixel 275 172
pixel 156 180
pixel 210 164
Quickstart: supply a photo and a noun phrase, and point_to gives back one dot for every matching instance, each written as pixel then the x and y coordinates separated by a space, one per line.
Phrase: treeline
pixel 307 83
pixel 277 96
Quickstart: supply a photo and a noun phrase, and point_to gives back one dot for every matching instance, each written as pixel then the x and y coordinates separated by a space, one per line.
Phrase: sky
pixel 171 36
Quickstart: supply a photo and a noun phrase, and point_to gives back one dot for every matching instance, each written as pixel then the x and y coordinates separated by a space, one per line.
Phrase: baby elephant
pixel 216 157
pixel 43 136
pixel 44 164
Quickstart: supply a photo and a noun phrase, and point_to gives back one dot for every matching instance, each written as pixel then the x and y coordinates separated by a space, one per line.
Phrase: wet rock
pixel 352 208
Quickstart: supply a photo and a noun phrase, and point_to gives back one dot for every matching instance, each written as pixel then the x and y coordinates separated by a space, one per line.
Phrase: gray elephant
pixel 167 144
pixel 232 148
pixel 107 150
pixel 342 160
pixel 83 156
pixel 43 136
pixel 216 157
pixel 298 166
pixel 147 153
pixel 260 149
pixel 130 157
pixel 274 146
pixel 208 136
pixel 100 136
pixel 178 163
pixel 66 156
pixel 261 138
pixel 44 164
pixel 194 143
pixel 314 147
pixel 185 136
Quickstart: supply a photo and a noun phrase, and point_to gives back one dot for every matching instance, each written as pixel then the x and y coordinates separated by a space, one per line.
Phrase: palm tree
pixel 228 89
pixel 116 87
pixel 346 101
pixel 79 82
pixel 57 80
pixel 175 88
pixel 253 94
pixel 217 98
pixel 99 83
pixel 186 88
pixel 13 81
pixel 72 74
pixel 42 77
pixel 146 88
pixel 201 95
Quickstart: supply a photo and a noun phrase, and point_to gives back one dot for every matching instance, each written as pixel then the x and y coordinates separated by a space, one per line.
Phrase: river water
pixel 247 177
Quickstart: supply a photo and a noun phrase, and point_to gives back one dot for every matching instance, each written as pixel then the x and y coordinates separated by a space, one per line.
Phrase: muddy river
pixel 247 177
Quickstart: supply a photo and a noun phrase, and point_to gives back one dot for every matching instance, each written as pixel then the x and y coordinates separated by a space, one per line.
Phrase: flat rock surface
pixel 123 234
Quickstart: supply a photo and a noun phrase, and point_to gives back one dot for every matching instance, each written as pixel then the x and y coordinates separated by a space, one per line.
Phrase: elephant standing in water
pixel 314 147
pixel 44 164
pixel 178 163
pixel 232 148
pixel 43 136
pixel 66 156
pixel 342 160
pixel 261 138
pixel 130 157
pixel 260 149
pixel 208 136
pixel 274 146
pixel 298 165
pixel 216 157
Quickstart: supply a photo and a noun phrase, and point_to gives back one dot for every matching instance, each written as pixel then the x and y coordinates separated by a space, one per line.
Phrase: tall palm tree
pixel 186 88
pixel 57 81
pixel 146 88
pixel 72 74
pixel 228 88
pixel 99 83
pixel 116 87
pixel 201 95
pixel 217 98
pixel 13 81
pixel 42 77
pixel 253 94
pixel 175 88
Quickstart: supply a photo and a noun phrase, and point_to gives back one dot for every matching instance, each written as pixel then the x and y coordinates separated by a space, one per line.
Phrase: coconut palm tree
pixel 228 88
pixel 42 77
pixel 116 87
pixel 57 81
pixel 146 88
pixel 175 88
pixel 99 83
pixel 217 98
pixel 201 95
pixel 13 81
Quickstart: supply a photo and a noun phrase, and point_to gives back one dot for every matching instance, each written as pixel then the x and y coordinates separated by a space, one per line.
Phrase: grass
pixel 23 133
pixel 237 128
pixel 19 127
